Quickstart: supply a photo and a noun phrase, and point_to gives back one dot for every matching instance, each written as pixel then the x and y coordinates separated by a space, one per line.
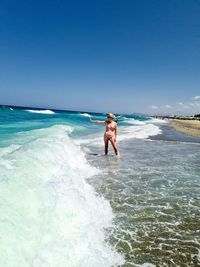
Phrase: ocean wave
pixel 47 204
pixel 135 122
pixel 4 151
pixel 142 131
pixel 7 150
pixel 139 132
pixel 47 111
pixel 156 121
pixel 85 115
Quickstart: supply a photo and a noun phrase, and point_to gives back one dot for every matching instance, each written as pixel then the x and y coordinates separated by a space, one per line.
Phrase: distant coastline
pixel 189 125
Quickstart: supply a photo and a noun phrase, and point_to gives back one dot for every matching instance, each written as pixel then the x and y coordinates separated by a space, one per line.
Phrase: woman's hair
pixel 111 115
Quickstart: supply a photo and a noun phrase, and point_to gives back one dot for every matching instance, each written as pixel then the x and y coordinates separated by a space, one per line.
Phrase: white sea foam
pixel 156 121
pixel 85 115
pixel 135 122
pixel 146 264
pixel 7 150
pixel 4 151
pixel 47 111
pixel 141 131
pixel 50 215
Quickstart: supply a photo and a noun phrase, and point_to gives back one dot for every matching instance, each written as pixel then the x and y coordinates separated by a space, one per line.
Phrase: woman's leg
pixel 106 144
pixel 112 140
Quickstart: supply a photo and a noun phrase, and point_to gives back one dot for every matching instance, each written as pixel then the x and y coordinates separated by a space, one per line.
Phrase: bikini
pixel 110 130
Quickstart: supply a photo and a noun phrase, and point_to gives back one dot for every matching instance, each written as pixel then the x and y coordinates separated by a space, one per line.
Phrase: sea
pixel 63 203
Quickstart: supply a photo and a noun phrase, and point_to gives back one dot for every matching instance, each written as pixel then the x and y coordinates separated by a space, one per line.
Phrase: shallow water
pixel 65 204
pixel 154 191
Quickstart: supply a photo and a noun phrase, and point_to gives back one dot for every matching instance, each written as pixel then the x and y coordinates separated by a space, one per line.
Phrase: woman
pixel 110 133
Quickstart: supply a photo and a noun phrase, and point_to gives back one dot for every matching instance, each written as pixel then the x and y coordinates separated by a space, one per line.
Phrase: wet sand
pixel 169 133
pixel 188 127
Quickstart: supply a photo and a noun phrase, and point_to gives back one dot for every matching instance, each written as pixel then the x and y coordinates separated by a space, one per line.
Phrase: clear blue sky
pixel 101 55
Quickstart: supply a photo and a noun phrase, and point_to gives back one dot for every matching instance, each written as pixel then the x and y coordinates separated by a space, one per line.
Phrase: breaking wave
pixel 50 215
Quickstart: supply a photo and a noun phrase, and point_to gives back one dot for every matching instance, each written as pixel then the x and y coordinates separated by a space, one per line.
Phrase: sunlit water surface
pixel 63 203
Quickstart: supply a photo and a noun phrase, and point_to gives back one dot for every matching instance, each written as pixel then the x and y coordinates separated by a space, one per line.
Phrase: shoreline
pixel 169 133
pixel 187 127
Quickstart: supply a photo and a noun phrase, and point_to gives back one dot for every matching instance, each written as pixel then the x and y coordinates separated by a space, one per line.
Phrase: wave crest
pixel 85 115
pixel 47 111
pixel 60 213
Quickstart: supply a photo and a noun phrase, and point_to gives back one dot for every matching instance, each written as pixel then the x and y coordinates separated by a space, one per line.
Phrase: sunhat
pixel 111 115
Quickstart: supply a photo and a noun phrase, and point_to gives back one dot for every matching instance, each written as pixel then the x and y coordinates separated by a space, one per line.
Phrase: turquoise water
pixel 65 204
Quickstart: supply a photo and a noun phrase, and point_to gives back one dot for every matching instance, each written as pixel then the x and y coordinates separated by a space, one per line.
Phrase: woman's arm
pixel 99 122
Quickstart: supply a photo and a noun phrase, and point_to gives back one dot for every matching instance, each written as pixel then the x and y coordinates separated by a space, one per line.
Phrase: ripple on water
pixel 154 191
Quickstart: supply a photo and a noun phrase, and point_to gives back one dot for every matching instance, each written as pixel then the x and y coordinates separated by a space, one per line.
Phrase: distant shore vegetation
pixel 177 117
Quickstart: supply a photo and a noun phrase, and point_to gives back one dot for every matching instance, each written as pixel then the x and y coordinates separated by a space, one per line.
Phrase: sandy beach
pixel 188 127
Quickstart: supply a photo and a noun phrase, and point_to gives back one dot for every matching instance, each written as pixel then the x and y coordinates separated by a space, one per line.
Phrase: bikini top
pixel 110 127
